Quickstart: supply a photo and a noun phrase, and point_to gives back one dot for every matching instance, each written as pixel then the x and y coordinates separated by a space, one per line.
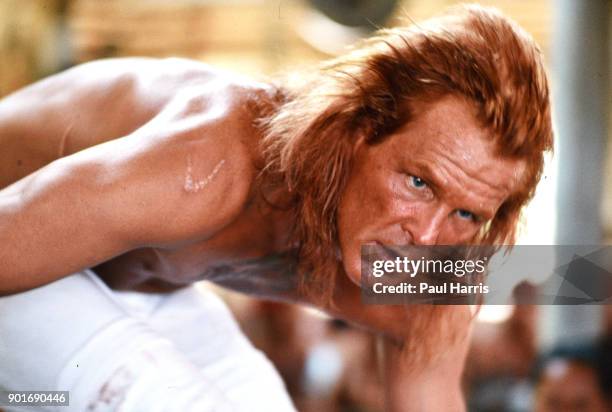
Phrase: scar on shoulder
pixel 194 185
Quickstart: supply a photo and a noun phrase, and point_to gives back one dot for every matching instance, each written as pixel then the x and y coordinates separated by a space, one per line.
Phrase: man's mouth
pixel 383 250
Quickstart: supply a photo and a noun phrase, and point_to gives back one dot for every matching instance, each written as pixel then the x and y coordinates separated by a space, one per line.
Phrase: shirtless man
pixel 159 173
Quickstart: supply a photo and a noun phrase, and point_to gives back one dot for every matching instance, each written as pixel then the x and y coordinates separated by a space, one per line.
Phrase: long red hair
pixel 470 51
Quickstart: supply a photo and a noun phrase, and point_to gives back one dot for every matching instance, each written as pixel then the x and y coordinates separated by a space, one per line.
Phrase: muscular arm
pixel 177 178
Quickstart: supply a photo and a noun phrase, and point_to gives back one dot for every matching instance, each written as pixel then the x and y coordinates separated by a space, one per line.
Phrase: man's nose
pixel 426 228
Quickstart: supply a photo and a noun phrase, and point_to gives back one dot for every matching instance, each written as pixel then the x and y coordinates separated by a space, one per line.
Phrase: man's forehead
pixel 449 132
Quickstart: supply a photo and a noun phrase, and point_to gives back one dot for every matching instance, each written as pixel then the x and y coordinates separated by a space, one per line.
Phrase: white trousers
pixel 129 352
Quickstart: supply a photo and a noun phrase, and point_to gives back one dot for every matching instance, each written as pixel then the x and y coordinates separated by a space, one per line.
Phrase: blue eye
pixel 464 214
pixel 417 182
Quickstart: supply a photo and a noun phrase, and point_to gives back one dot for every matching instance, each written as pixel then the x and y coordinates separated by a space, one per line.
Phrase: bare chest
pixel 235 257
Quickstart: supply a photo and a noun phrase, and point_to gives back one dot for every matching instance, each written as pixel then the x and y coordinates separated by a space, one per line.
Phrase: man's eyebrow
pixel 430 175
pixel 438 183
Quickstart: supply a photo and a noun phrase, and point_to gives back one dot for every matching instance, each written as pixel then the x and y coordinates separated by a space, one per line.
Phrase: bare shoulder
pixel 169 143
pixel 198 158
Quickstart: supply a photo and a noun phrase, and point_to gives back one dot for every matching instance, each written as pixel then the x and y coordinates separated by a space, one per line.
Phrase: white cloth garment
pixel 133 352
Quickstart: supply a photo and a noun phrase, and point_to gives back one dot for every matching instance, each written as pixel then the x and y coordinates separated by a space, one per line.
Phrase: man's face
pixel 437 180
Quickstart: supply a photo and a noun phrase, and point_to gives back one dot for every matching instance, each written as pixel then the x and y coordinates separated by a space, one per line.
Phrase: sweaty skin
pixel 144 170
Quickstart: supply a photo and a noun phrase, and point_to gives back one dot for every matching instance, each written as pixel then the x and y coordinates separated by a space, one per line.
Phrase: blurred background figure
pixel 569 380
pixel 326 364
